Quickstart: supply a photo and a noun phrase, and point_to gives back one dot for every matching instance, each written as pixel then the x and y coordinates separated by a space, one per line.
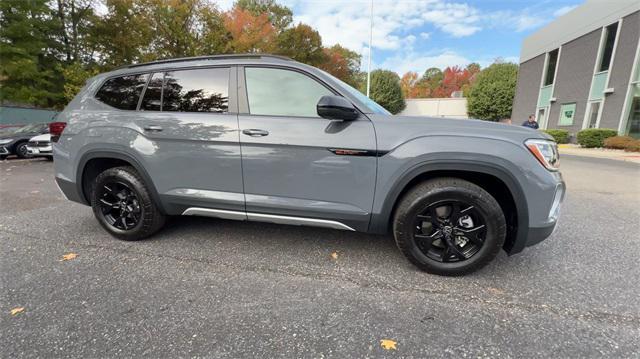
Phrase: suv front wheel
pixel 449 226
pixel 123 204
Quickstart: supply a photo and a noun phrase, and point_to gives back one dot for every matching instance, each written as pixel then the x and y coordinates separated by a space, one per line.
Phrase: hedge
pixel 594 137
pixel 560 136
pixel 626 143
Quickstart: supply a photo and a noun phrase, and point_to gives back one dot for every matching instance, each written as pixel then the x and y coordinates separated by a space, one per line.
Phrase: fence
pixel 10 115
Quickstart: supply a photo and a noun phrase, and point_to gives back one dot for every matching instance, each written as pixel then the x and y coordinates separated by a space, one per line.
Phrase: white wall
pixel 436 107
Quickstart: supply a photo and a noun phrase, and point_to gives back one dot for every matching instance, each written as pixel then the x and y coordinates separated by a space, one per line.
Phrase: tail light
pixel 55 129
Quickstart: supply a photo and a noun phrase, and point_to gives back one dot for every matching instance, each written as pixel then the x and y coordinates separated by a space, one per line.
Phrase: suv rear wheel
pixel 123 204
pixel 449 226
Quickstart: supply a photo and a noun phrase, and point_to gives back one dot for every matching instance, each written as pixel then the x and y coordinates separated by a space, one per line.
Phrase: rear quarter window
pixel 122 92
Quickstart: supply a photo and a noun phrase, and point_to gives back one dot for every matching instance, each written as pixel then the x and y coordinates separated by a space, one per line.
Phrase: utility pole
pixel 370 40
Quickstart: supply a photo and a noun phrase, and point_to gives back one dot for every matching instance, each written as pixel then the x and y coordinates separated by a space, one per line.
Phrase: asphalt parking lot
pixel 216 288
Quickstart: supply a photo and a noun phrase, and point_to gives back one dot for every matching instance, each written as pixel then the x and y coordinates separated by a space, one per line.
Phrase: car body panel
pixel 202 163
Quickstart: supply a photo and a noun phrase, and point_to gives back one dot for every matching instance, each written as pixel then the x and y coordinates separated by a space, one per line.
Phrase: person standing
pixel 531 122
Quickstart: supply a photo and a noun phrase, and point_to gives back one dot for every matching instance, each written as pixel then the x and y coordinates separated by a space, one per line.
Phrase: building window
pixel 567 114
pixel 607 49
pixel 594 111
pixel 552 62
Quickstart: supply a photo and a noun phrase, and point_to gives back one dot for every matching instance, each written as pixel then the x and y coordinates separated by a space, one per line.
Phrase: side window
pixel 201 90
pixel 279 92
pixel 122 92
pixel 152 100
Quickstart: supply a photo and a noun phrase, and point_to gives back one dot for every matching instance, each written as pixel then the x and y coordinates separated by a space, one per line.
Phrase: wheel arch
pixel 494 179
pixel 94 162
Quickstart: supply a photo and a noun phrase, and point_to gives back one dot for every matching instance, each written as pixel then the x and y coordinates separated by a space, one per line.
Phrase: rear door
pixel 190 137
pixel 291 158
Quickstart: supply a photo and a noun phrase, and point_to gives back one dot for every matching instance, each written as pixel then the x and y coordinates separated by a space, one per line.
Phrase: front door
pixel 293 169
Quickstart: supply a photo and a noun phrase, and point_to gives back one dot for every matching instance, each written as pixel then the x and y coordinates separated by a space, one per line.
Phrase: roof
pixel 208 57
pixel 590 16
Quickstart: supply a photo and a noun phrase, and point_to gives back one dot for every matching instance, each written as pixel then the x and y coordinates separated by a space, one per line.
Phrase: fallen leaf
pixel 68 257
pixel 495 291
pixel 334 255
pixel 16 311
pixel 388 344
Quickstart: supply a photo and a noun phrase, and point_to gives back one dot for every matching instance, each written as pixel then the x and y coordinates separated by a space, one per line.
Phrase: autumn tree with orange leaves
pixel 435 83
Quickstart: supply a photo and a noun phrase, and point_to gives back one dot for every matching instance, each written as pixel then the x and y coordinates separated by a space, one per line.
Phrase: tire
pixel 118 184
pixel 21 150
pixel 445 245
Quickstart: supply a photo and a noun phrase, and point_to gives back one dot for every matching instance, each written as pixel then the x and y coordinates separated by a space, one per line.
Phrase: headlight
pixel 546 152
pixel 5 141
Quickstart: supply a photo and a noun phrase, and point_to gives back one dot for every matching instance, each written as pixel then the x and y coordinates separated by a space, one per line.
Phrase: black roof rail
pixel 206 57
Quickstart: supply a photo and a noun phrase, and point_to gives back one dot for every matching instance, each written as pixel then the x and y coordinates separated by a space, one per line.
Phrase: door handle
pixel 254 132
pixel 153 128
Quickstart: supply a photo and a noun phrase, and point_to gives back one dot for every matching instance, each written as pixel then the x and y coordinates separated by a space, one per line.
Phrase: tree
pixel 279 16
pixel 249 33
pixel 301 43
pixel 28 72
pixel 76 19
pixel 408 84
pixel 491 96
pixel 343 64
pixel 123 35
pixel 75 76
pixel 386 90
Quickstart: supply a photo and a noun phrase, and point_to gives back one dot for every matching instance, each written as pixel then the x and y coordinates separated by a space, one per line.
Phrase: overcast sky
pixel 418 34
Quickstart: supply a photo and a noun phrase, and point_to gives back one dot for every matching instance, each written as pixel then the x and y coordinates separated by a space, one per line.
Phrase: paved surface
pixel 215 288
pixel 620 155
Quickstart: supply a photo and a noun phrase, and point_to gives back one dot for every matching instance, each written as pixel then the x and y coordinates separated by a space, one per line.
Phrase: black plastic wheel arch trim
pixel 114 154
pixel 380 222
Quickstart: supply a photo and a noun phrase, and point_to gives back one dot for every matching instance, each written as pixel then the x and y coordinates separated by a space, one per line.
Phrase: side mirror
pixel 336 108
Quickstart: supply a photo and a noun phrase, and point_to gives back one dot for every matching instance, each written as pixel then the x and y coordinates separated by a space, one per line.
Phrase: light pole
pixel 370 40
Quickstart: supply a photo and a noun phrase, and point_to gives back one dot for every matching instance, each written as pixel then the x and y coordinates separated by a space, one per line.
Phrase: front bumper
pixel 538 233
pixel 40 151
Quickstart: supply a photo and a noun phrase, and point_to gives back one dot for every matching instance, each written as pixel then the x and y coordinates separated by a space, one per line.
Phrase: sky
pixel 413 35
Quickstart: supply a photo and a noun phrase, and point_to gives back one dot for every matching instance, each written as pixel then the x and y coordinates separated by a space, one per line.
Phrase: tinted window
pixel 282 93
pixel 202 90
pixel 122 92
pixel 551 67
pixel 152 100
pixel 607 52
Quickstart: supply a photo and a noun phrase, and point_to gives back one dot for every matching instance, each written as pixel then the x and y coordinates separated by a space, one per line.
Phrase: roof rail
pixel 207 57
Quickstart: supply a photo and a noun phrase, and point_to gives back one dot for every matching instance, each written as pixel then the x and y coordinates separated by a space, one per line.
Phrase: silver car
pixel 265 138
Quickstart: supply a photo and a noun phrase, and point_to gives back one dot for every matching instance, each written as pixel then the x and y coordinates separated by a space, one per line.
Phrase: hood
pixel 45 137
pixel 18 135
pixel 395 130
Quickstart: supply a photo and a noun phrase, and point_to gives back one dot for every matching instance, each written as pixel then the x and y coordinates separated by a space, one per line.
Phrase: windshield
pixel 36 127
pixel 369 103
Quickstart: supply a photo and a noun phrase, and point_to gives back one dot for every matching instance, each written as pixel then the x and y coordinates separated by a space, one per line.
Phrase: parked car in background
pixel 15 142
pixel 40 146
pixel 4 129
pixel 265 138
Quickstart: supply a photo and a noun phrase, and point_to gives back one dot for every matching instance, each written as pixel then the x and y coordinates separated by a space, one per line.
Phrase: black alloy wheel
pixel 21 150
pixel 449 226
pixel 450 231
pixel 119 205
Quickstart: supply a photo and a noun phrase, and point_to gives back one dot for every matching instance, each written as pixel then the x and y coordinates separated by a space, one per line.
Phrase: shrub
pixel 386 90
pixel 618 142
pixel 633 146
pixel 594 137
pixel 491 95
pixel 560 136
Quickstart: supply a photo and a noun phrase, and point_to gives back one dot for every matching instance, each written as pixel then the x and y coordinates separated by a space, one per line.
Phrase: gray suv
pixel 265 138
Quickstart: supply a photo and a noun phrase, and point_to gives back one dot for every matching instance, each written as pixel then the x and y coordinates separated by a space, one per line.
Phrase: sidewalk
pixel 576 150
